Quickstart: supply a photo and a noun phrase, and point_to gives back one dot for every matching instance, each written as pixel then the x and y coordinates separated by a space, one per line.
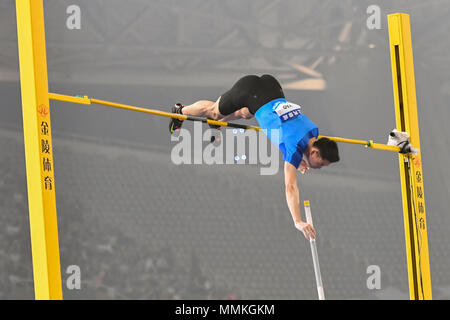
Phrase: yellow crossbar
pixel 87 101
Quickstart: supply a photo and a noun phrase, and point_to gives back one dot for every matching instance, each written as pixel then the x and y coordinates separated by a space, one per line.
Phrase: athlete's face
pixel 316 161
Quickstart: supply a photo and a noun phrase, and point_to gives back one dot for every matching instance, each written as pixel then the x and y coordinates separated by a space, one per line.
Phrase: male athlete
pixel 263 98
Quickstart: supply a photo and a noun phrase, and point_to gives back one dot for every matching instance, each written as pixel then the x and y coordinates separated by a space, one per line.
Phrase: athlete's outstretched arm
pixel 293 200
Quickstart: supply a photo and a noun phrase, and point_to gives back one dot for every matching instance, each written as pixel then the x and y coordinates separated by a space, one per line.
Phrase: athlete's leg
pixel 231 105
pixel 203 108
pixel 210 110
pixel 242 113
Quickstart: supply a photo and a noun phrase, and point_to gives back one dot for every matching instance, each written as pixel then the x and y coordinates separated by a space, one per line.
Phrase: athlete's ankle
pixel 180 108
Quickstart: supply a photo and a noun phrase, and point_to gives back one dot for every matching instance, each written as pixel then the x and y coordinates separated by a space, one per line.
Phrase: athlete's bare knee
pixel 245 113
pixel 215 114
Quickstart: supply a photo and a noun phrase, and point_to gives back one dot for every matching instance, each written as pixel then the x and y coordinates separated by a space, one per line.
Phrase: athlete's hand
pixel 304 167
pixel 307 229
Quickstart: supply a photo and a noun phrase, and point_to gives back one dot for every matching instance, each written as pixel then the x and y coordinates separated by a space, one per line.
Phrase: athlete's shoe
pixel 175 124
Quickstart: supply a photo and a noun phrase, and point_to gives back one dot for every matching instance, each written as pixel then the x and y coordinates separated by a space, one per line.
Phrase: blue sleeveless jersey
pixel 295 129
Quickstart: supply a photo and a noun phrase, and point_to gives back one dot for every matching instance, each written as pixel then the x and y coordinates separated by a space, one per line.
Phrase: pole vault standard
pixel 39 150
pixel 411 174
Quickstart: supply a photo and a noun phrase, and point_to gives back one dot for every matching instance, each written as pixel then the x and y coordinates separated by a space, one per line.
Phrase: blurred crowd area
pixel 109 268
pixel 115 266
pixel 16 278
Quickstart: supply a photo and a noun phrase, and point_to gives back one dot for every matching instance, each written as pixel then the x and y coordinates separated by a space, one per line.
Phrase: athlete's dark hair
pixel 328 149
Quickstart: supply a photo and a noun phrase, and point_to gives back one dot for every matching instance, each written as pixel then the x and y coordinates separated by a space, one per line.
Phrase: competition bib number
pixel 287 111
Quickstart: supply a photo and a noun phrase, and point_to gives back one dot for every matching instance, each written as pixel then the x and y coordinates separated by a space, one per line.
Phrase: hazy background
pixel 140 227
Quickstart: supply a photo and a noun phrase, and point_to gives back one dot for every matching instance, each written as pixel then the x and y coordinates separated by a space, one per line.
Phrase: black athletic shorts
pixel 252 92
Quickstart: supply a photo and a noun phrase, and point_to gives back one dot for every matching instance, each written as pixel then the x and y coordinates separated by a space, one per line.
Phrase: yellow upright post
pixel 410 166
pixel 38 149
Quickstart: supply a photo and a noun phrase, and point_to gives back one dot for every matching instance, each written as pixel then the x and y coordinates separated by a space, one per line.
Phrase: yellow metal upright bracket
pixel 38 150
pixel 410 166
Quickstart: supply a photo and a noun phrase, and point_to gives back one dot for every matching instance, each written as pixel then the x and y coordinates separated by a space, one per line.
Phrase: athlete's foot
pixel 175 124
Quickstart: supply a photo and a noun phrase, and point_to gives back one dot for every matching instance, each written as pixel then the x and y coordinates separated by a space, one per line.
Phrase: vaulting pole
pixel 315 255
